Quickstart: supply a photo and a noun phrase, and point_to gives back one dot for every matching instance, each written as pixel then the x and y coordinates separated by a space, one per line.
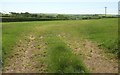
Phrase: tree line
pixel 26 16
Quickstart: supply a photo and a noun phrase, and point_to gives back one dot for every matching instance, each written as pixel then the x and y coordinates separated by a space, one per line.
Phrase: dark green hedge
pixel 15 19
pixel 20 19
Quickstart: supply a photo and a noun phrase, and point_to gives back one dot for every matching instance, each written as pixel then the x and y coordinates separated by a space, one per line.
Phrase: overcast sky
pixel 60 6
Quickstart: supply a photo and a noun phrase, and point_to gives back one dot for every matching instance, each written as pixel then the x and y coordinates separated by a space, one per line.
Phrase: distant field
pixel 57 39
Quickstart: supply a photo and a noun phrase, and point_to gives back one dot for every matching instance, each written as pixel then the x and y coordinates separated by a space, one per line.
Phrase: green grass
pixel 61 59
pixel 11 33
pixel 102 31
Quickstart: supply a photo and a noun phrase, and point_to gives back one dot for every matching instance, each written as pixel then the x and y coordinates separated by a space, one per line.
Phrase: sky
pixel 60 6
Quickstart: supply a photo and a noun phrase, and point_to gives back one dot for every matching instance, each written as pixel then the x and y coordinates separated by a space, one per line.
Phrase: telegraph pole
pixel 105 11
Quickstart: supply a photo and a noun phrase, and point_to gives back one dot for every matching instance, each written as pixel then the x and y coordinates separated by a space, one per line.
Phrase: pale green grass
pixel 103 31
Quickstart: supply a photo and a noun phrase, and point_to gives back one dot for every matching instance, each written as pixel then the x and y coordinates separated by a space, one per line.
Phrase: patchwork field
pixel 71 46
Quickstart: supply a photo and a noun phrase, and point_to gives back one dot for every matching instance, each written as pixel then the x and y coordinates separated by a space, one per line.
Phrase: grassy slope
pixel 11 32
pixel 103 31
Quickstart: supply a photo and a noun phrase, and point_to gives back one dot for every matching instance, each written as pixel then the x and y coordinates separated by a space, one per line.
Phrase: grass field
pixel 58 38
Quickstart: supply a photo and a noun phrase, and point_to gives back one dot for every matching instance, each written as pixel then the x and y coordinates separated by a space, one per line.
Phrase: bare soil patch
pixel 28 56
pixel 95 59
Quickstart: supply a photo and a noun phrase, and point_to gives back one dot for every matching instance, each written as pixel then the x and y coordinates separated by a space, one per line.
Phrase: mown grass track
pixel 61 58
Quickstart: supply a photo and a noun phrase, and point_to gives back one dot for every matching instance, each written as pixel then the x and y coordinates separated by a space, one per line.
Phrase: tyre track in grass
pixel 94 58
pixel 28 56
